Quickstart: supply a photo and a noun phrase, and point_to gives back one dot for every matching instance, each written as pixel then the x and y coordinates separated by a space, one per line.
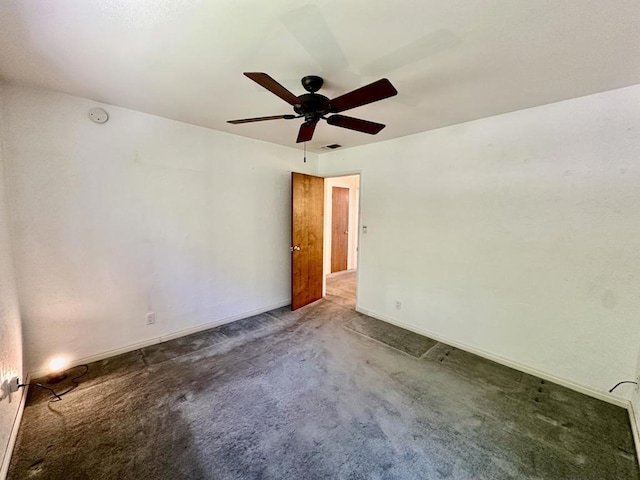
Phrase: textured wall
pixel 516 235
pixel 139 214
pixel 10 329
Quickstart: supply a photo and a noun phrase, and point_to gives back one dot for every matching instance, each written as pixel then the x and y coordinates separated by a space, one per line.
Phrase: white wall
pixel 635 401
pixel 141 213
pixel 351 182
pixel 10 328
pixel 517 235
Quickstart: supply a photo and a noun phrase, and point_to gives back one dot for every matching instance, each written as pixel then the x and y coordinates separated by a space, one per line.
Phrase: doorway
pixel 341 219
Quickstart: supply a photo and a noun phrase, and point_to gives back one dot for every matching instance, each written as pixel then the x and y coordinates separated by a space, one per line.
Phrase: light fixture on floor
pixel 57 371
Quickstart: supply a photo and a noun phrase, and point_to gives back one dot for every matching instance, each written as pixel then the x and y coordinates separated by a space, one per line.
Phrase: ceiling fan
pixel 313 106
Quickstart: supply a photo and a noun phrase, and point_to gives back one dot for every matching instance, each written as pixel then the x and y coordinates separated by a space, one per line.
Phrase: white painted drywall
pixel 139 214
pixel 517 235
pixel 352 182
pixel 10 328
pixel 635 403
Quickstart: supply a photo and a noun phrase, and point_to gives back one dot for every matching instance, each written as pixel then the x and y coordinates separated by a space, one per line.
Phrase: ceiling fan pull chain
pixel 305 152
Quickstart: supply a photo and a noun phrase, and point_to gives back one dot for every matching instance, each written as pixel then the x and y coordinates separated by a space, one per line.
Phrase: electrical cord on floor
pixel 55 395
pixel 620 383
pixel 58 396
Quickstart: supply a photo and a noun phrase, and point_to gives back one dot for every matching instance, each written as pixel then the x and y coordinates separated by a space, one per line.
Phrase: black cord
pixel 620 383
pixel 55 395
pixel 58 396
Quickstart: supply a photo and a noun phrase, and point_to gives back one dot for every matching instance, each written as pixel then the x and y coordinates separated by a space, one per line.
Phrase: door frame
pixel 326 264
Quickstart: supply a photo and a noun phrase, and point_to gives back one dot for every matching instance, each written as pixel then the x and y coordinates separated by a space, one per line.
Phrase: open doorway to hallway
pixel 342 196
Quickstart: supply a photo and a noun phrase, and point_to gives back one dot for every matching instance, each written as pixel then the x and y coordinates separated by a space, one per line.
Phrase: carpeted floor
pixel 341 288
pixel 309 395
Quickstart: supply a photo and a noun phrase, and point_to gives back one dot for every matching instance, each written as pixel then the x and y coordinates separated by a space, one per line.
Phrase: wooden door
pixel 307 228
pixel 339 228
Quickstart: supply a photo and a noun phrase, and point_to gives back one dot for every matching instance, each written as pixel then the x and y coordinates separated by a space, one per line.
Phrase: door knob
pixel 295 248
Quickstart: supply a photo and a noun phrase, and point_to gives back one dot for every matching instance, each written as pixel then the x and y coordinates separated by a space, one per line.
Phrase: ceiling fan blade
pixel 357 124
pixel 368 94
pixel 274 87
pixel 261 119
pixel 306 131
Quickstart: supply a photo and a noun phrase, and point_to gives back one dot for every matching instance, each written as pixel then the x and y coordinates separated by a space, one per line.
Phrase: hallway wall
pixel 351 182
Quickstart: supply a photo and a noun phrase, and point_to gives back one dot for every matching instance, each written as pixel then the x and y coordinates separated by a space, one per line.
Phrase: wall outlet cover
pixel 14 384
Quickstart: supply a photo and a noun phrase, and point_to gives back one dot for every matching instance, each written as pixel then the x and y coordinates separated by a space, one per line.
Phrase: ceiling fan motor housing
pixel 312 106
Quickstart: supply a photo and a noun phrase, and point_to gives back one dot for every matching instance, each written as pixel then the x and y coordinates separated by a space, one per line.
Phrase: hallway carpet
pixel 341 288
pixel 302 395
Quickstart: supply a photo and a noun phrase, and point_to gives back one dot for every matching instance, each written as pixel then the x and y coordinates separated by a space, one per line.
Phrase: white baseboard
pixel 635 424
pixel 620 402
pixel 6 460
pixel 165 338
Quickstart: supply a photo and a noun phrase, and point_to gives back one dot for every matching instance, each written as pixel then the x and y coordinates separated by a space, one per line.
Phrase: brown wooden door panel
pixel 339 228
pixel 307 228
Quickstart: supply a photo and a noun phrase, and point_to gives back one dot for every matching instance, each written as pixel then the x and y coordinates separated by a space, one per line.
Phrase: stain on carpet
pixel 408 342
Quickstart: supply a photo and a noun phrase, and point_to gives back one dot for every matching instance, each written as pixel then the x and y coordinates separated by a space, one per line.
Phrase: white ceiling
pixel 451 60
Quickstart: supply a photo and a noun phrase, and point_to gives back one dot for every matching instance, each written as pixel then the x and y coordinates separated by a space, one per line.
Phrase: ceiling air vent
pixel 333 146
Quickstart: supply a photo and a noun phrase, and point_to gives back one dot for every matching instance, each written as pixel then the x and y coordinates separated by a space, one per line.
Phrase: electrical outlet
pixel 151 318
pixel 398 305
pixel 14 384
pixel 8 387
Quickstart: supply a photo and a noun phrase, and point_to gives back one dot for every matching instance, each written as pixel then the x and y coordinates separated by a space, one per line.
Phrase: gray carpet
pixel 341 288
pixel 296 395
pixel 398 338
